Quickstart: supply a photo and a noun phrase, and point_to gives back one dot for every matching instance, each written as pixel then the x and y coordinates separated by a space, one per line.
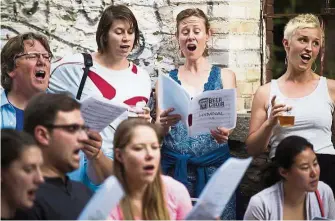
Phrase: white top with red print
pixel 127 86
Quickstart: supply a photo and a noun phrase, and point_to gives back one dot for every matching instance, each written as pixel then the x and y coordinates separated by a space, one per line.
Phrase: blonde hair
pixel 302 21
pixel 154 206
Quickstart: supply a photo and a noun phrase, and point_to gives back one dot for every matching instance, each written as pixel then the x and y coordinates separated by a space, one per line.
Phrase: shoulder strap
pixel 88 63
pixel 317 193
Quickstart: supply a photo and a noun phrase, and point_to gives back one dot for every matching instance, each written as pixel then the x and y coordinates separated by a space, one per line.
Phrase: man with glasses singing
pixel 55 121
pixel 25 71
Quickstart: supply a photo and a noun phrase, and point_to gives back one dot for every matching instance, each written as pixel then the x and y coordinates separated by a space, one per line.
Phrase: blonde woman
pixel 308 96
pixel 149 195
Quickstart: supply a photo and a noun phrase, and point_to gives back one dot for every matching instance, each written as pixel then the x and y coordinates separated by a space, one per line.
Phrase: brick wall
pixel 71 25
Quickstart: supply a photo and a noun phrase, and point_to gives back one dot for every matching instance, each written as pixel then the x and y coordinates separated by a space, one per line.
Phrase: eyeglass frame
pixel 35 53
pixel 67 127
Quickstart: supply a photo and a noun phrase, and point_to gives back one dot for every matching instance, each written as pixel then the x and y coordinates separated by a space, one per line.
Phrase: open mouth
pixel 191 47
pixel 76 151
pixel 305 57
pixel 40 74
pixel 31 193
pixel 149 168
pixel 124 46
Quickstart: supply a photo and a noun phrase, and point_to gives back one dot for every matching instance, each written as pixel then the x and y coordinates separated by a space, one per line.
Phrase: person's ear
pixel 12 74
pixel 42 135
pixel 209 34
pixel 118 155
pixel 283 172
pixel 286 45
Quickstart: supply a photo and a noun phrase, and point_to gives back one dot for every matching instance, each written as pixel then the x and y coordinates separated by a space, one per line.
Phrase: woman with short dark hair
pixel 112 76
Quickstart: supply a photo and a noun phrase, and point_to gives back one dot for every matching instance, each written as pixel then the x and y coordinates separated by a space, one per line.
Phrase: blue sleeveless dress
pixel 178 143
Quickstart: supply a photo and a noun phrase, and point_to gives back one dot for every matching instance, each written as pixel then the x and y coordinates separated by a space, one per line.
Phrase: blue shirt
pixel 7 112
pixel 8 119
pixel 80 174
pixel 19 118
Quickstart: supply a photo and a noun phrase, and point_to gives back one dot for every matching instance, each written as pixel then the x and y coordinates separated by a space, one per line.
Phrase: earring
pixel 206 51
pixel 286 60
pixel 180 52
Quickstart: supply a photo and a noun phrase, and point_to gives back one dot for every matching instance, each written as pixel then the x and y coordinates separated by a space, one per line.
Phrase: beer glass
pixel 287 118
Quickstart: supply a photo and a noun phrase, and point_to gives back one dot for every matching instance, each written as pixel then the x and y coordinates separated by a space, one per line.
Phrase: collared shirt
pixel 19 118
pixel 7 112
pixel 57 200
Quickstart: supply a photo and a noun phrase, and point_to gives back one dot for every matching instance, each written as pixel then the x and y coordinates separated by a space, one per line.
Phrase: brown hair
pixel 112 13
pixel 154 204
pixel 43 108
pixel 13 143
pixel 13 47
pixel 197 13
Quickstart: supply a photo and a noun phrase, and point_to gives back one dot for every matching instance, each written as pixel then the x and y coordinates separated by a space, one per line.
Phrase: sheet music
pixel 213 109
pixel 106 198
pixel 171 94
pixel 219 190
pixel 99 112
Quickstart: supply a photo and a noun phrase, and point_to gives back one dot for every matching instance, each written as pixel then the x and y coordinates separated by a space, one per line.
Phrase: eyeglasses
pixel 35 56
pixel 71 128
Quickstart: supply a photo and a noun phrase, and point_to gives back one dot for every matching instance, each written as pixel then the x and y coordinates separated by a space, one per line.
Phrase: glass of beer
pixel 286 119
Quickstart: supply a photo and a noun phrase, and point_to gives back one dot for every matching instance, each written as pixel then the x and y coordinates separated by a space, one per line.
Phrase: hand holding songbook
pixel 167 119
pixel 209 110
pixel 220 134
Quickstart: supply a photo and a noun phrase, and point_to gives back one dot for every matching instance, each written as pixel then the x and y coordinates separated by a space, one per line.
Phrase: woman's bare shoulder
pixel 228 78
pixel 228 73
pixel 331 88
pixel 262 94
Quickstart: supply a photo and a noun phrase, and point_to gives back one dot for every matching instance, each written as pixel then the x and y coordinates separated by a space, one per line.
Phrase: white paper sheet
pixel 99 112
pixel 219 190
pixel 171 94
pixel 212 109
pixel 106 198
pixel 208 110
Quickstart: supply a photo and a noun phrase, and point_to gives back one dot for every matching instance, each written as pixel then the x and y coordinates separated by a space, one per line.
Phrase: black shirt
pixel 57 200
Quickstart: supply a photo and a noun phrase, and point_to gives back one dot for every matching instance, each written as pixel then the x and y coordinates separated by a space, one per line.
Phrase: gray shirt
pixel 268 204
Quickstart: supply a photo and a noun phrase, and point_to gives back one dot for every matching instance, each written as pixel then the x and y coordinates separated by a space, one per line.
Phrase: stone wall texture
pixel 70 26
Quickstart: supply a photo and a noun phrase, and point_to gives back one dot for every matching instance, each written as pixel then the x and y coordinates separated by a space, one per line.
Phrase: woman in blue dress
pixel 193 160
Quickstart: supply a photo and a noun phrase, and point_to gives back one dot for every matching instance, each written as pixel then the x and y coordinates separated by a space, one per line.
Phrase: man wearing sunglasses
pixel 25 71
pixel 55 121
